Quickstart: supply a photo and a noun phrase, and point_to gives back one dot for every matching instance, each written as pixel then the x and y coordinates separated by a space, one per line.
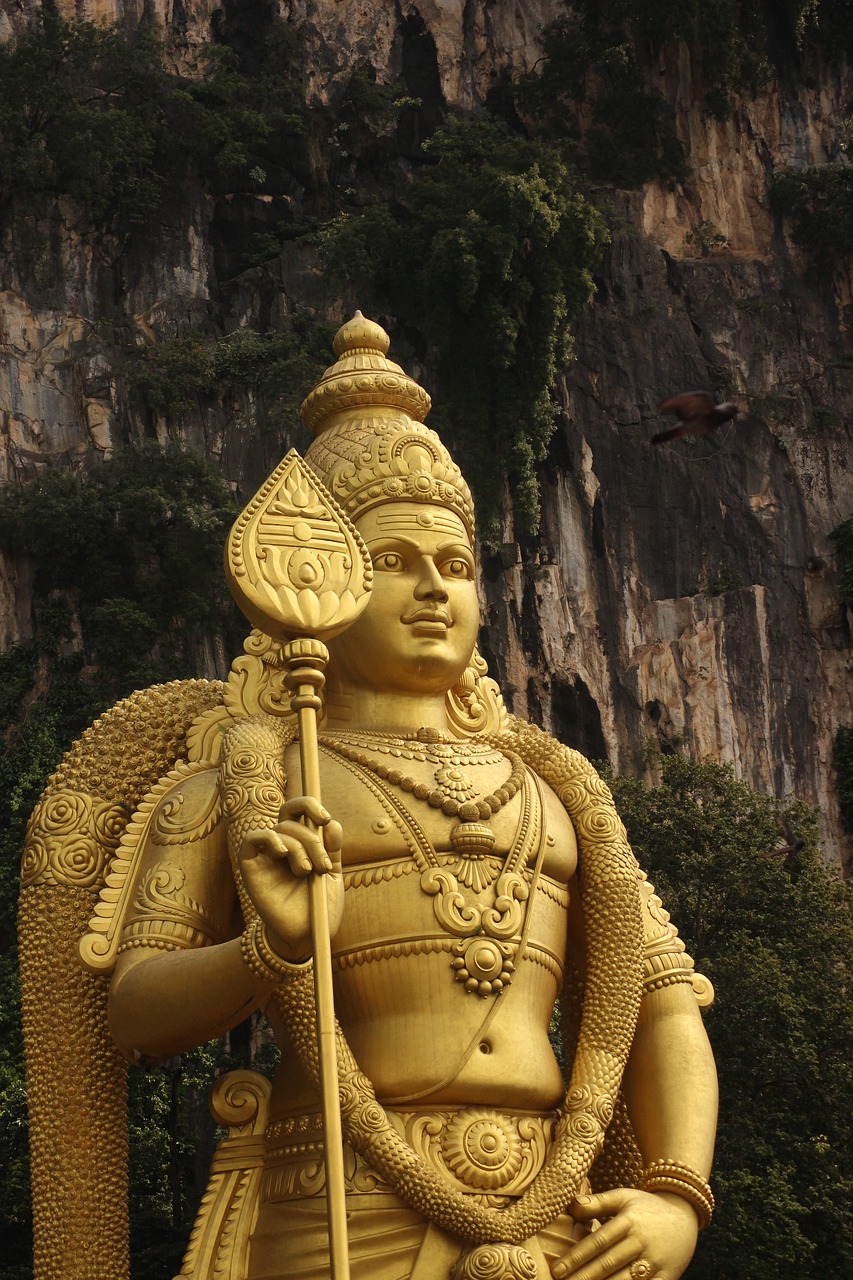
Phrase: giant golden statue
pixel 470 870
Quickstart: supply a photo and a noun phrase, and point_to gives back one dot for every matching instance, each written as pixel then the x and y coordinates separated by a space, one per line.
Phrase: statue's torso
pixel 421 1037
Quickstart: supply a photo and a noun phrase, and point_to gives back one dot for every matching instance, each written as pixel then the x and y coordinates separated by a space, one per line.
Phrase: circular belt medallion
pixel 494 1262
pixel 482 1148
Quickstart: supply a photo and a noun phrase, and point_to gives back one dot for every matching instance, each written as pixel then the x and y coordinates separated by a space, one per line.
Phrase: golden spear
pixel 299 571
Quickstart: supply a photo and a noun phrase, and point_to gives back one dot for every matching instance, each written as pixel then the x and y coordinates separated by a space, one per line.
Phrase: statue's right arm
pixel 181 978
pixel 164 1004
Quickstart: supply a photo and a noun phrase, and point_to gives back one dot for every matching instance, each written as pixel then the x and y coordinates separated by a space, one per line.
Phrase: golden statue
pixel 467 867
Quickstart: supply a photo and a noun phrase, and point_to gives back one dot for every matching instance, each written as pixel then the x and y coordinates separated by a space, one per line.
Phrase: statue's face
pixel 418 632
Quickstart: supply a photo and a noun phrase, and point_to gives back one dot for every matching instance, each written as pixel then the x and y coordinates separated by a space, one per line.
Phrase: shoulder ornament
pixel 666 962
pixel 163 818
pixel 255 686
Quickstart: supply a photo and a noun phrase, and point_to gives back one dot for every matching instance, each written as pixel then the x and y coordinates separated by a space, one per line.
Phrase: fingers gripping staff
pixel 298 569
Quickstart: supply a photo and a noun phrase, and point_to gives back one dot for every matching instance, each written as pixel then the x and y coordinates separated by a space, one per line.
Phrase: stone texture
pixel 680 596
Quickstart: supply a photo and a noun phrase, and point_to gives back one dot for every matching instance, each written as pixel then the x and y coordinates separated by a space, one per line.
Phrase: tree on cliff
pixel 771 928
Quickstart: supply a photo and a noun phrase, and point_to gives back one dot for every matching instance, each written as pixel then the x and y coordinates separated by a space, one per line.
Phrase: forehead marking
pixel 442 521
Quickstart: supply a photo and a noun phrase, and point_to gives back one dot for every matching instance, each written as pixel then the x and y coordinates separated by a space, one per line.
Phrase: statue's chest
pixel 394 808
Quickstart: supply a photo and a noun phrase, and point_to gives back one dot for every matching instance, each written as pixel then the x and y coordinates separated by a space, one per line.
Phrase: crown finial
pixel 363 380
pixel 371 444
pixel 361 334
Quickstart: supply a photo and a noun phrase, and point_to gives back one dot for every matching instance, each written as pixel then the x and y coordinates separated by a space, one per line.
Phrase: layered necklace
pixel 453 792
pixel 489 931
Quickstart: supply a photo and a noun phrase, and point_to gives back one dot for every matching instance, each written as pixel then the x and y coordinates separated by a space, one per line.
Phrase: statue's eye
pixel 457 569
pixel 388 562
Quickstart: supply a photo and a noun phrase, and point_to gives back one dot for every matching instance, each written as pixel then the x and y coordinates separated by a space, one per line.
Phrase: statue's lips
pixel 428 623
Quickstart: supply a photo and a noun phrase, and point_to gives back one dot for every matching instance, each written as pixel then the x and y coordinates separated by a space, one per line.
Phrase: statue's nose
pixel 430 584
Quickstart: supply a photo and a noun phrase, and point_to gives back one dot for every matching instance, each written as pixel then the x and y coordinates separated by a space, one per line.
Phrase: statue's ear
pixel 475 704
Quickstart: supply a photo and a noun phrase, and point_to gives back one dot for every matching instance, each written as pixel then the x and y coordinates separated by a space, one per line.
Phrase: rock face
pixel 679 596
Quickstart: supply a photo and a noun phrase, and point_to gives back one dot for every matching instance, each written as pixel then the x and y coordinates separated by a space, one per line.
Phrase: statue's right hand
pixel 276 862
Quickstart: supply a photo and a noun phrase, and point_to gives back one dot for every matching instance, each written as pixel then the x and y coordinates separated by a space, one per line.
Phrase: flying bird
pixel 698 413
pixel 793 844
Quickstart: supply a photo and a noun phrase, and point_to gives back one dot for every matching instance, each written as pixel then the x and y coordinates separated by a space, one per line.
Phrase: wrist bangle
pixel 680 1180
pixel 260 957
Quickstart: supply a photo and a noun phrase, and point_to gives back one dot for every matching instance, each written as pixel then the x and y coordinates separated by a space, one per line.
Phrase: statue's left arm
pixel 670 1086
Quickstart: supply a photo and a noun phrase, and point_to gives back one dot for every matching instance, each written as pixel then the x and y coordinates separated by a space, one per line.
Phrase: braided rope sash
pixel 252 781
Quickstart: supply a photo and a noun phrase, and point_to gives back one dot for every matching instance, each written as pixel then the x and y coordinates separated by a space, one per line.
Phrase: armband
pixel 681 1180
pixel 263 961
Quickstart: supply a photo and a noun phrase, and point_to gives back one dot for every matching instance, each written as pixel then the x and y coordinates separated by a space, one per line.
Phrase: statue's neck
pixel 371 709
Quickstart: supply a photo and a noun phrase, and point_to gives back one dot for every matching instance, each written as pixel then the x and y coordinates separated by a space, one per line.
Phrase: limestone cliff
pixel 677 596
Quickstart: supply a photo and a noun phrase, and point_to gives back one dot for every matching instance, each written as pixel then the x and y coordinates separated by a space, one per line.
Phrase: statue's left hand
pixel 659 1229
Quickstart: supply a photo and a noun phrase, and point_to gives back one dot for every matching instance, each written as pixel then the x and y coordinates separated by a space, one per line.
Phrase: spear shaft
pixel 305 675
pixel 300 572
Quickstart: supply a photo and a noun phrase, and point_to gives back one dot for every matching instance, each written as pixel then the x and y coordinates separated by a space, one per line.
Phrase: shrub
pixel 842 536
pixel 744 880
pixel 818 202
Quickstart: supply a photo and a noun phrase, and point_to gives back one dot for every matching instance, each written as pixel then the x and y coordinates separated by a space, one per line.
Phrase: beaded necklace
pixel 453 793
pixel 490 929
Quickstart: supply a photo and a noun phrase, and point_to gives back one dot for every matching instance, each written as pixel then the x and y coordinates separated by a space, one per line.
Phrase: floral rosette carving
pixel 495 1262
pixel 64 813
pixel 70 839
pixel 109 823
pixel 78 861
pixel 34 861
pixel 359 1106
pixel 483 1149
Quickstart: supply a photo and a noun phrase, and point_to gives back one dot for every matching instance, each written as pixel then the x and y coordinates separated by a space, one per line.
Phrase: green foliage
pixel 243 122
pixel 80 115
pixel 364 99
pixel 604 54
pixel 722 580
pixel 706 237
pixel 170 377
pixel 492 258
pixel 744 881
pixel 173 377
pixel 818 202
pixel 89 114
pixel 590 55
pixel 842 536
pixel 15 1214
pixel 843 761
pixel 125 556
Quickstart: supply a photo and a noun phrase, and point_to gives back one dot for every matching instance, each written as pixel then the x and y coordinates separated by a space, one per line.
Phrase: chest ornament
pixel 489 921
pixel 453 792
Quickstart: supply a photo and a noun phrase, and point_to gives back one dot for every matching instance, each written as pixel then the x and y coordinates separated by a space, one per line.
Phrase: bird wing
pixel 692 404
pixel 672 434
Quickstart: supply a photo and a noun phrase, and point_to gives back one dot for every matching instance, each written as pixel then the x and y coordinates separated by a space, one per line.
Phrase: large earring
pixel 475 704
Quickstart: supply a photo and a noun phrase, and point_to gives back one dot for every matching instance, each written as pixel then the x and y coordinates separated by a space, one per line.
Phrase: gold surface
pixel 484 869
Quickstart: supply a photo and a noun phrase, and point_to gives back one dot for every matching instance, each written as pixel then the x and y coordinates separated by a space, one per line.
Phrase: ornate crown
pixel 372 446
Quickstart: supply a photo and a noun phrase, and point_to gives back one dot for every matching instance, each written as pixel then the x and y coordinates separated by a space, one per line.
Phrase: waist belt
pixel 480 1150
